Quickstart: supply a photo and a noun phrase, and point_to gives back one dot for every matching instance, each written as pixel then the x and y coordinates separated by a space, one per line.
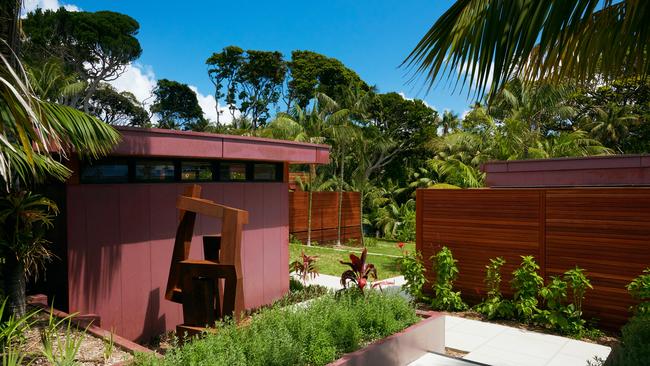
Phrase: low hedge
pixel 313 335
pixel 634 349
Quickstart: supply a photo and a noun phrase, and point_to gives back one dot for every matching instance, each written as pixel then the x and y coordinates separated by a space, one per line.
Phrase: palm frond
pixel 488 42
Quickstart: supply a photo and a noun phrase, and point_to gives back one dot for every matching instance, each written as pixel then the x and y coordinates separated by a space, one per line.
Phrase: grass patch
pixel 384 255
pixel 314 335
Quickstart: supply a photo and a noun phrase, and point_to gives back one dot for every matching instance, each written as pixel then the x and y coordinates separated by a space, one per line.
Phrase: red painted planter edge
pixel 349 357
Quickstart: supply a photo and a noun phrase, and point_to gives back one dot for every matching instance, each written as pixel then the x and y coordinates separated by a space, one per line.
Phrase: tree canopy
pixel 176 106
pixel 95 46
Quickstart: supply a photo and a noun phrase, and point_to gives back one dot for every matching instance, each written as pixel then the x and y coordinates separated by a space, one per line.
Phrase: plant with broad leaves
pixel 526 283
pixel 359 271
pixel 305 267
pixel 495 306
pixel 559 314
pixel 444 265
pixel 639 288
pixel 412 268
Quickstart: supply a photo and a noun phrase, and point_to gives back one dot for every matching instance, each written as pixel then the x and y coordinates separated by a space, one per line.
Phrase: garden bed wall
pixel 324 223
pixel 606 231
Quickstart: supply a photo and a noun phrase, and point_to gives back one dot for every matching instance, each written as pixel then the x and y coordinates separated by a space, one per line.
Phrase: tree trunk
pixel 363 244
pixel 309 218
pixel 338 240
pixel 312 174
pixel 15 286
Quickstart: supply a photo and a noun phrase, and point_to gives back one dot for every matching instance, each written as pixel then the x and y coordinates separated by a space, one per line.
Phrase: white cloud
pixel 138 79
pixel 208 105
pixel 141 80
pixel 31 5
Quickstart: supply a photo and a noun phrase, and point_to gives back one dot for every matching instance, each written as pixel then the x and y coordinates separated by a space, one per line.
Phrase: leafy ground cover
pixel 385 255
pixel 313 335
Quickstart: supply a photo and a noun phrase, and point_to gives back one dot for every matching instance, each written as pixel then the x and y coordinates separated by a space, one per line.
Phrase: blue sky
pixel 371 37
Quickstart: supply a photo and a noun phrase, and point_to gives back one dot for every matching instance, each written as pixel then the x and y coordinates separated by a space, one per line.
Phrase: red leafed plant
pixel 359 271
pixel 305 267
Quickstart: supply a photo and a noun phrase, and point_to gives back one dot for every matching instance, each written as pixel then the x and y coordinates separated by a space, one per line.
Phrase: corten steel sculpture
pixel 196 283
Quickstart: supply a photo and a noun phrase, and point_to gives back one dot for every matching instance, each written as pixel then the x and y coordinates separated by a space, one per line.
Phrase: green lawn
pixel 384 255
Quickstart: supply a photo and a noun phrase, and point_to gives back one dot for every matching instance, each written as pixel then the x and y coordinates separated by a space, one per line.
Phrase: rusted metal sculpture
pixel 197 283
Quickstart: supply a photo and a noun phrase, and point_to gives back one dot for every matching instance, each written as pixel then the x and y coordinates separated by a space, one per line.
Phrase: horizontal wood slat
pixel 605 231
pixel 324 216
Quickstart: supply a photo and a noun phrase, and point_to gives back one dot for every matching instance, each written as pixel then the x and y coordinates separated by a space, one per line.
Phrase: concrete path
pixel 499 345
pixel 495 344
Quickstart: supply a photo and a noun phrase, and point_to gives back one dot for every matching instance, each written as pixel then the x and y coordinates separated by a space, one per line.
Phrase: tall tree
pixel 176 106
pixel 253 80
pixel 97 47
pixel 313 73
pixel 404 126
pixel 118 108
pixel 449 122
pixel 488 42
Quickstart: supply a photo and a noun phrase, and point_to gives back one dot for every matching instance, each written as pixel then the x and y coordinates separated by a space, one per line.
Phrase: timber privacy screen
pixel 324 216
pixel 605 231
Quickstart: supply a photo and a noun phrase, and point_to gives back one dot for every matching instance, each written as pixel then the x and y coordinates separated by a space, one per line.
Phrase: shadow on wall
pixel 154 322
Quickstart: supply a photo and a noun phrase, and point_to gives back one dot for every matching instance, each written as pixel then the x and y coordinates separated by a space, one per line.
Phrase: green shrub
pixel 406 231
pixel 412 268
pixel 444 265
pixel 526 283
pixel 313 335
pixel 495 306
pixel 639 288
pixel 303 294
pixel 370 242
pixel 560 314
pixel 633 349
pixel 295 284
pixel 295 241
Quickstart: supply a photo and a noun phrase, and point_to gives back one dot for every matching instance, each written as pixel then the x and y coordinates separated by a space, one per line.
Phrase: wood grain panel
pixel 605 231
pixel 324 216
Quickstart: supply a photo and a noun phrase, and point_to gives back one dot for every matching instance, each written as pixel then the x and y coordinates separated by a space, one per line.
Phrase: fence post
pixel 542 233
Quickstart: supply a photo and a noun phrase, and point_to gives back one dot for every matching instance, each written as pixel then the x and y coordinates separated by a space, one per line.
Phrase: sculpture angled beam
pixel 196 283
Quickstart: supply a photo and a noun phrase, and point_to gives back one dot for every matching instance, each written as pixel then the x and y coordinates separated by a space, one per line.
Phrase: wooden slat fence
pixel 605 231
pixel 324 216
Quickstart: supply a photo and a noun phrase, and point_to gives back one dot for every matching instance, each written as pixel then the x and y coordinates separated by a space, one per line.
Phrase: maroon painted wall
pixel 120 240
pixel 601 171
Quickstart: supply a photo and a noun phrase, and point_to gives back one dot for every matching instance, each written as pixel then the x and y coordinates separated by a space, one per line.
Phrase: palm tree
pixel 25 218
pixel 575 143
pixel 610 124
pixel 489 42
pixel 342 134
pixel 32 129
pixel 449 122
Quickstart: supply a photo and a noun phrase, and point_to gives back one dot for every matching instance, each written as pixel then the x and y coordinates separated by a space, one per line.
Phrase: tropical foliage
pixel 305 267
pixel 446 272
pixel 360 271
pixel 489 42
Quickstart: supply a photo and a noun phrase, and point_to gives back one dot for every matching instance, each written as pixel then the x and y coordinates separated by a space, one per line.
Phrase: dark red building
pixel 121 220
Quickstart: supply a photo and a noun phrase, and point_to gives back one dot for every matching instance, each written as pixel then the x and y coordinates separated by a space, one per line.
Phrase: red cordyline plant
pixel 305 267
pixel 359 271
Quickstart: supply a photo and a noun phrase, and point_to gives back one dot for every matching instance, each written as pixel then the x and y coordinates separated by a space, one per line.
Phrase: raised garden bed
pixel 97 346
pixel 427 335
pixel 330 328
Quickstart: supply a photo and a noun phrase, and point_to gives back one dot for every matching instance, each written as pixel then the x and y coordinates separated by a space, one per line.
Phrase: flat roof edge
pixel 154 142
